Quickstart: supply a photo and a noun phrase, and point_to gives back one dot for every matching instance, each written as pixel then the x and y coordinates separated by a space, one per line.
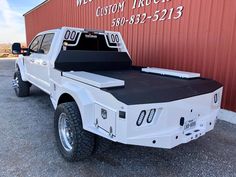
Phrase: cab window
pixel 91 42
pixel 46 44
pixel 35 45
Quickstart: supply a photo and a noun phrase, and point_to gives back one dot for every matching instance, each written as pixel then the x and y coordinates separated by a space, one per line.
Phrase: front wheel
pixel 74 142
pixel 22 88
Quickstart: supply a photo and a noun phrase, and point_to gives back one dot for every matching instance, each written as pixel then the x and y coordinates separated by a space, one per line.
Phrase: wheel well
pixel 64 98
pixel 17 67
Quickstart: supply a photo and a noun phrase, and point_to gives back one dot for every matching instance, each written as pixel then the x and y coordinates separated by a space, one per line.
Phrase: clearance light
pixel 216 98
pixel 65 44
pixel 151 115
pixel 141 118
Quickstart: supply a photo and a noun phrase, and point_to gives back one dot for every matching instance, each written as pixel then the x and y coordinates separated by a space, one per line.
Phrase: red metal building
pixel 191 35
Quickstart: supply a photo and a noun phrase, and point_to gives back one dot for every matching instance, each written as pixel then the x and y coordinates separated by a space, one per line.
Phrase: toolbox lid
pixel 94 79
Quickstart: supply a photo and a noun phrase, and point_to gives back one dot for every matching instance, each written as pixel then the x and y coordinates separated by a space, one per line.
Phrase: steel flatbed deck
pixel 144 88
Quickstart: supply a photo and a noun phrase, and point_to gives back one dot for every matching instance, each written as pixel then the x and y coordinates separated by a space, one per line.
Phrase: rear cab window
pixel 88 41
pixel 47 42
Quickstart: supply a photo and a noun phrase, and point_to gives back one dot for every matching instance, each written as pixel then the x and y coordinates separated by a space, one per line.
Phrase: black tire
pixel 22 88
pixel 82 141
pixel 101 145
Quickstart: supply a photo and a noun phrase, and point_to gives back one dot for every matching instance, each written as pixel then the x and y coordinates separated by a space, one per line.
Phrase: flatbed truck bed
pixel 99 95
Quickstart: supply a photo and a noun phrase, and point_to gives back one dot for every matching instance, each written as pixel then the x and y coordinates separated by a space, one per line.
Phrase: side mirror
pixel 16 48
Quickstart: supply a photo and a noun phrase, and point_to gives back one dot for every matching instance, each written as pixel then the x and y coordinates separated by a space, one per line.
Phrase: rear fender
pixel 84 101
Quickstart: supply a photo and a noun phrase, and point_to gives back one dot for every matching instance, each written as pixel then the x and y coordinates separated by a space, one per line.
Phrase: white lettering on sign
pixel 134 19
pixel 159 15
pixel 83 2
pixel 110 9
pixel 142 3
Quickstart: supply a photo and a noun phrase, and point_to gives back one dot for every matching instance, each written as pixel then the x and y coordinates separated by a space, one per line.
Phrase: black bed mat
pixel 144 88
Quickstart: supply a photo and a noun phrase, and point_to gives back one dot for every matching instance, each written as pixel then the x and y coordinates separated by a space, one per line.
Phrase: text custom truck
pixel 96 92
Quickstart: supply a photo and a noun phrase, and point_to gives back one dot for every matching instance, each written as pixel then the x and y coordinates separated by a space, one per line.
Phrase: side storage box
pixel 105 119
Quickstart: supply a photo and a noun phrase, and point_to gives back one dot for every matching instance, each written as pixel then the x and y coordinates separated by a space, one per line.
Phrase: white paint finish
pixel 84 88
pixel 165 130
pixel 227 116
pixel 171 113
pixel 168 72
pixel 94 79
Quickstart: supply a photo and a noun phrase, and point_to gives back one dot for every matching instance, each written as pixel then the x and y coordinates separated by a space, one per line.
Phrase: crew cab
pixel 97 92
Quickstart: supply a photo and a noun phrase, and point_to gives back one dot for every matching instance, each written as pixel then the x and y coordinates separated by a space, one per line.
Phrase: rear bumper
pixel 176 137
pixel 166 129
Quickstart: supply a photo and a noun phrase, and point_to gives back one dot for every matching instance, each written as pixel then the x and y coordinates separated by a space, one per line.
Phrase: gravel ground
pixel 28 148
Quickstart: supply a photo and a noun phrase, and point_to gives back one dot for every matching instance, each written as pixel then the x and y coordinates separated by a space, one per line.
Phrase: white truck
pixel 96 92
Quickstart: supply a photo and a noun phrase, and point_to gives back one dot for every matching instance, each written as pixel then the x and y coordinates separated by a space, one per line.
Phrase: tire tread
pixel 84 141
pixel 24 87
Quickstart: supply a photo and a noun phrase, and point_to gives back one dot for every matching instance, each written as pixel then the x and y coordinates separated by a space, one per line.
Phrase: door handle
pixel 44 63
pixel 32 60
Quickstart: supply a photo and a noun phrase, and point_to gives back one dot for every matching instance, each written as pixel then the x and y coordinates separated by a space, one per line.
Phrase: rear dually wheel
pixel 74 142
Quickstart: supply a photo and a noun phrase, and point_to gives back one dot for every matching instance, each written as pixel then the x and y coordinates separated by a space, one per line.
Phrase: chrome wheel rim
pixel 16 84
pixel 65 132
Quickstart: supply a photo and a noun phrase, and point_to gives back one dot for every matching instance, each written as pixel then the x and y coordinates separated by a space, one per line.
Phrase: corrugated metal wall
pixel 202 40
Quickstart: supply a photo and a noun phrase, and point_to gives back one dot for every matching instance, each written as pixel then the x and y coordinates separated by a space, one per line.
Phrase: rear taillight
pixel 141 117
pixel 151 115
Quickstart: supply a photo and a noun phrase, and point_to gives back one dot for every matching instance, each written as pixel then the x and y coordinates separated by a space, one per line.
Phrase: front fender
pixel 19 65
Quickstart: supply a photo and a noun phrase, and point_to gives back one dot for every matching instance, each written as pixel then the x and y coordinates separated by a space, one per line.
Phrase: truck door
pixel 42 62
pixel 32 58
